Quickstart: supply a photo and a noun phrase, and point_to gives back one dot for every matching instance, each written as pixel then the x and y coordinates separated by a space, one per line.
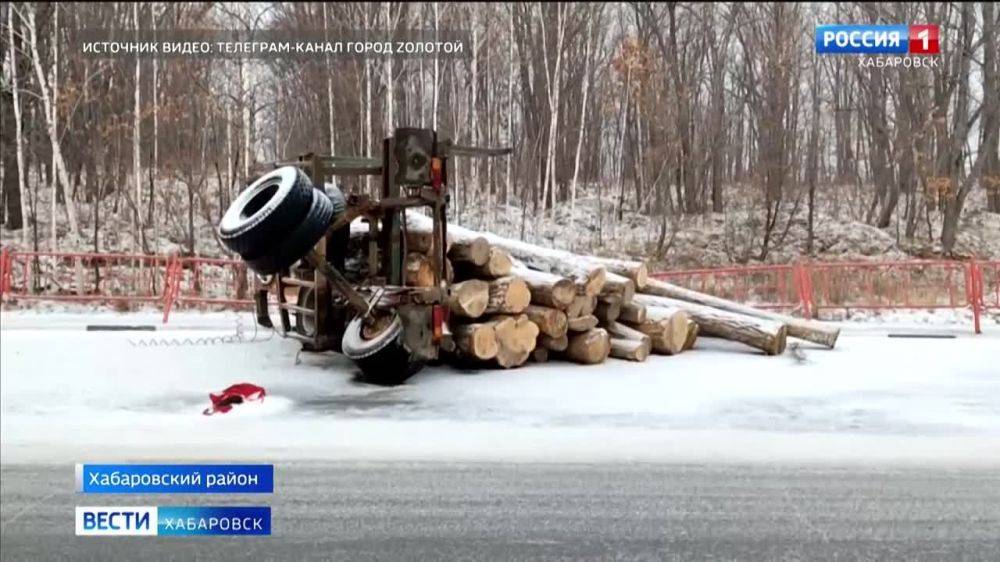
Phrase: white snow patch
pixel 69 395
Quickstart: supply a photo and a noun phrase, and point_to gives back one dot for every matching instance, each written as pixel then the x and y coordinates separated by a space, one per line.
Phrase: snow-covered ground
pixel 69 395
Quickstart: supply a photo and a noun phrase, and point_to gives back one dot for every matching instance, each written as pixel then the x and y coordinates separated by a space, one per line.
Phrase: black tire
pixel 289 248
pixel 270 207
pixel 383 360
pixel 305 324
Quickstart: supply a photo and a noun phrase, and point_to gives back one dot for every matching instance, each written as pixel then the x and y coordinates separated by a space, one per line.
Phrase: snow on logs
pixel 516 302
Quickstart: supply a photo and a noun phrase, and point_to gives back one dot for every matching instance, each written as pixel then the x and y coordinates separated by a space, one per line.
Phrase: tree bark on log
pixel 581 306
pixel 590 275
pixel 621 331
pixel 582 323
pixel 667 337
pixel 765 335
pixel 547 289
pixel 808 330
pixel 468 299
pixel 497 264
pixel 637 271
pixel 608 308
pixel 550 321
pixel 590 347
pixel 508 295
pixel 617 285
pixel 632 312
pixel 553 344
pixel 475 251
pixel 630 350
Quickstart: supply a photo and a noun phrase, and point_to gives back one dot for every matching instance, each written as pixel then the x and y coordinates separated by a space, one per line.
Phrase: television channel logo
pixel 853 39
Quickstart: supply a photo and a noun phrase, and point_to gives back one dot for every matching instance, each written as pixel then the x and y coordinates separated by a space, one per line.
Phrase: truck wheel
pixel 263 212
pixel 289 248
pixel 381 356
pixel 305 324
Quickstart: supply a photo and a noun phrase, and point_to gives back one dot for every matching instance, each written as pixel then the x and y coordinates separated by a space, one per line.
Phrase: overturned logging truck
pixel 390 284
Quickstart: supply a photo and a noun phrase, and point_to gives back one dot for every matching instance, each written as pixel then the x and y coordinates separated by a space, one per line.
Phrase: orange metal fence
pixel 807 288
pixel 124 279
pixel 804 288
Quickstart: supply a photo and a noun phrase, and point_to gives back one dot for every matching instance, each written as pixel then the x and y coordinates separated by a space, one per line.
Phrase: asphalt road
pixel 446 511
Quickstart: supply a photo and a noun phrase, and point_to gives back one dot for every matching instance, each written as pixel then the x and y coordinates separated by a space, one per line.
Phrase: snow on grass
pixel 69 395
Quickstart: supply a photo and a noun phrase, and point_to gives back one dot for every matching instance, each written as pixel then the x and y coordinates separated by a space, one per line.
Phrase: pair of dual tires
pixel 274 223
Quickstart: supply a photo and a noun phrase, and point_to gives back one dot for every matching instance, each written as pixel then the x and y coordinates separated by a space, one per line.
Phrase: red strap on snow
pixel 235 394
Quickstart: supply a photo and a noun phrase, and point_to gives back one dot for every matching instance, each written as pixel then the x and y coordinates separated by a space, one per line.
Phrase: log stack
pixel 512 302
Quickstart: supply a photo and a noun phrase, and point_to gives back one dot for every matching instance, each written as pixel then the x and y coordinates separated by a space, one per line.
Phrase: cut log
pixel 633 312
pixel 630 350
pixel 516 339
pixel 582 305
pixel 550 321
pixel 617 285
pixel 608 308
pixel 508 295
pixel 692 336
pixel 582 323
pixel 540 355
pixel 553 344
pixel 621 331
pixel 521 335
pixel 475 251
pixel 667 336
pixel 498 264
pixel 809 330
pixel 419 272
pixel 637 271
pixel 589 347
pixel 475 341
pixel 547 289
pixel 509 352
pixel 589 274
pixel 468 299
pixel 765 335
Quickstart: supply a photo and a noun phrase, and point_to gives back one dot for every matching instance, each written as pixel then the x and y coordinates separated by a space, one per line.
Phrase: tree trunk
pixel 18 126
pixel 816 332
pixel 765 335
pixel 547 289
pixel 590 347
pixel 550 321
pixel 50 113
pixel 630 350
pixel 582 323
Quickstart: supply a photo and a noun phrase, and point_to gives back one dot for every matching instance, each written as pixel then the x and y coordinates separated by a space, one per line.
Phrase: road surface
pixel 490 511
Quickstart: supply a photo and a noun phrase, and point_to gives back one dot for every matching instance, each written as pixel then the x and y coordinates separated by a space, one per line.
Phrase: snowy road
pixel 70 395
pixel 509 511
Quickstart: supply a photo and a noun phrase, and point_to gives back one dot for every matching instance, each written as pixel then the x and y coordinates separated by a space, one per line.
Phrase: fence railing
pixel 124 279
pixel 807 288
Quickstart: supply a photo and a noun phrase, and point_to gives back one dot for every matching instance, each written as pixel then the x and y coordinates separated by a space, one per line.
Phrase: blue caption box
pixel 176 521
pixel 838 39
pixel 212 521
pixel 175 478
